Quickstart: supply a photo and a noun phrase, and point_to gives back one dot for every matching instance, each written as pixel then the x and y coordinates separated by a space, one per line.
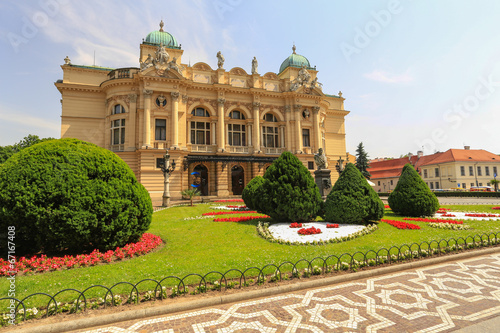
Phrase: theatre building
pixel 228 125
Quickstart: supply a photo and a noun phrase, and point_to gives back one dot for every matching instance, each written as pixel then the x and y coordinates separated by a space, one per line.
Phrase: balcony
pixel 123 73
pixel 273 151
pixel 238 149
pixel 203 148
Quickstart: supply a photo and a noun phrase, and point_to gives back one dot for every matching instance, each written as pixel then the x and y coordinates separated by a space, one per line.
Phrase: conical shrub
pixel 290 191
pixel 412 197
pixel 253 192
pixel 352 199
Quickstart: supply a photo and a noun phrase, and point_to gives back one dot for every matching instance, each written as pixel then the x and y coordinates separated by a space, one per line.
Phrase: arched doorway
pixel 200 177
pixel 237 179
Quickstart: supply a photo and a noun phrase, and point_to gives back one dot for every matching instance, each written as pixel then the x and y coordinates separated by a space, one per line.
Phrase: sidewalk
pixel 444 294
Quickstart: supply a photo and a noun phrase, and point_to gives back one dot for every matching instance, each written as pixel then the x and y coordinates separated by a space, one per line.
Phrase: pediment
pixel 238 71
pixel 308 90
pixel 168 73
pixel 270 76
pixel 201 66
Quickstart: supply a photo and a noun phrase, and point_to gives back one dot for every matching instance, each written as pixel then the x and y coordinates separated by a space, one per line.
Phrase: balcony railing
pixel 204 148
pixel 273 151
pixel 238 149
pixel 123 73
pixel 117 147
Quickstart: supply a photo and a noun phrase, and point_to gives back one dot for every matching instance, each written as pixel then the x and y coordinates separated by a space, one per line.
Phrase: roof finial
pixel 293 48
pixel 161 25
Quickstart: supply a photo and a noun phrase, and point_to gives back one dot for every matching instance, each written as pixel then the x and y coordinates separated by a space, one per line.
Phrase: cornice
pixel 78 87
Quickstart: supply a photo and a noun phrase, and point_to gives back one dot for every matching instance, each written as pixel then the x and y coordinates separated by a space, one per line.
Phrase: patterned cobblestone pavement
pixel 439 298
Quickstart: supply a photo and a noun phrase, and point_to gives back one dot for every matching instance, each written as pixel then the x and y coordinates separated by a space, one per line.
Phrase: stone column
pixel 317 133
pixel 131 122
pixel 249 134
pixel 256 126
pixel 175 119
pixel 222 140
pixel 288 137
pixel 298 127
pixel 146 141
pixel 282 136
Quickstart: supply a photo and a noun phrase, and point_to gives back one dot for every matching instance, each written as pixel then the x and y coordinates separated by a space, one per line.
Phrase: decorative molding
pixel 288 108
pixel 221 101
pixel 175 95
pixel 132 98
pixel 256 105
pixel 297 107
pixel 185 99
pixel 315 109
pixel 147 93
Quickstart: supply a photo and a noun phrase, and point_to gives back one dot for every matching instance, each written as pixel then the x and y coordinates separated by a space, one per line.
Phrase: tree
pixel 70 195
pixel 412 197
pixel 190 193
pixel 352 199
pixel 362 162
pixel 290 191
pixel 27 141
pixel 495 182
pixel 253 193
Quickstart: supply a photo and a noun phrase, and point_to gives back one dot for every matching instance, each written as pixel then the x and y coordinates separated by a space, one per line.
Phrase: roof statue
pixel 67 61
pixel 147 63
pixel 162 56
pixel 255 64
pixel 220 60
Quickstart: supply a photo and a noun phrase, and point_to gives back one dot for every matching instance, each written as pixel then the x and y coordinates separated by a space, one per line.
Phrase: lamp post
pixel 167 169
pixel 340 165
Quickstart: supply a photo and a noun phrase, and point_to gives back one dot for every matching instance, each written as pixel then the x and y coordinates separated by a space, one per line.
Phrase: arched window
pixel 270 133
pixel 118 108
pixel 236 129
pixel 200 128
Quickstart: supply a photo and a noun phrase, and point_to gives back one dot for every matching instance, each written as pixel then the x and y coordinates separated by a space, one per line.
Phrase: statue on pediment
pixel 174 66
pixel 162 56
pixel 320 159
pixel 255 64
pixel 147 63
pixel 220 60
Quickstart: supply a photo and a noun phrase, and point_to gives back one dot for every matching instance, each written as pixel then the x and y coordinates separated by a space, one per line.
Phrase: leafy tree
pixel 495 182
pixel 352 199
pixel 252 193
pixel 291 193
pixel 190 193
pixel 27 141
pixel 71 195
pixel 412 197
pixel 362 162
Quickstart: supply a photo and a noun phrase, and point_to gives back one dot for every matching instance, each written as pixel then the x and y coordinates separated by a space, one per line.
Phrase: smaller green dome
pixel 295 60
pixel 161 37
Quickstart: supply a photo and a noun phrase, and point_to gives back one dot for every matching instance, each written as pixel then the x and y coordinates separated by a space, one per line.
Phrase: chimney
pixel 420 153
pixel 467 147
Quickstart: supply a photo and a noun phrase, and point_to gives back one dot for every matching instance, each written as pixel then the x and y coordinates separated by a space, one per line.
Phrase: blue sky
pixel 414 73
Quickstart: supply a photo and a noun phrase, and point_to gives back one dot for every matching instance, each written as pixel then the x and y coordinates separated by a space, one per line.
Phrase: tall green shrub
pixel 252 193
pixel 352 199
pixel 290 191
pixel 71 195
pixel 412 197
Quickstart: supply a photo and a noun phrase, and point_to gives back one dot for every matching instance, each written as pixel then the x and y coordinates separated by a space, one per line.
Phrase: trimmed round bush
pixel 412 197
pixel 352 200
pixel 70 195
pixel 252 192
pixel 290 191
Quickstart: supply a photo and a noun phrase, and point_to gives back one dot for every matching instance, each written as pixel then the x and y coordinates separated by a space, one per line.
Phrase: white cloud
pixel 382 76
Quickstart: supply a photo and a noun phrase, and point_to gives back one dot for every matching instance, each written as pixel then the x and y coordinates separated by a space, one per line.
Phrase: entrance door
pixel 203 178
pixel 238 180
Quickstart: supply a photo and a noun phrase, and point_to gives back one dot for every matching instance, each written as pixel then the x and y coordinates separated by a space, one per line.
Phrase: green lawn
pixel 201 246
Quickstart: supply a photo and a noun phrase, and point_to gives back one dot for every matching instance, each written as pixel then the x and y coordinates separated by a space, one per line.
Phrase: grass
pixel 201 246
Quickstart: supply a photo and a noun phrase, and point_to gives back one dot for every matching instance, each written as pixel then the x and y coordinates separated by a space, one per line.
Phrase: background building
pixel 227 125
pixel 452 169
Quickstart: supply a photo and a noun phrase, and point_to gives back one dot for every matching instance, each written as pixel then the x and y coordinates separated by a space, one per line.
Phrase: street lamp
pixel 340 165
pixel 167 169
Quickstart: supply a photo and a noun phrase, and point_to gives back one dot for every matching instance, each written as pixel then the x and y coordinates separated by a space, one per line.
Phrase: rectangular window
pixel 480 184
pixel 161 129
pixel 436 172
pixel 392 182
pixel 464 186
pixel 159 162
pixel 425 173
pixel 305 138
pixel 432 185
pixel 471 171
pixel 487 170
pixel 479 172
pixel 462 171
pixel 118 132
pixel 200 133
pixel 310 165
pixel 236 135
pixel 495 171
pixel 471 184
pixel 379 183
pixel 437 185
pixel 270 136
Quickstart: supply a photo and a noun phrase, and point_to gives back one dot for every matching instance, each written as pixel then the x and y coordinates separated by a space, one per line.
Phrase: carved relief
pixel 175 95
pixel 132 98
pixel 238 71
pixel 270 76
pixel 221 101
pixel 202 66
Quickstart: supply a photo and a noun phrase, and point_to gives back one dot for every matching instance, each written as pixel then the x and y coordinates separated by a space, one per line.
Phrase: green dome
pixel 295 60
pixel 161 37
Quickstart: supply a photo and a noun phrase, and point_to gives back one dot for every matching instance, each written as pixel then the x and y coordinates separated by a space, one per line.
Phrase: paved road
pixel 442 298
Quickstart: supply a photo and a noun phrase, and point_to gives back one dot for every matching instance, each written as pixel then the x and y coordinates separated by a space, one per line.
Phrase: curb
pixel 80 324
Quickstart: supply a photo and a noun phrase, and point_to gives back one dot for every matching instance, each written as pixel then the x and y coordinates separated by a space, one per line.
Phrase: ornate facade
pixel 227 125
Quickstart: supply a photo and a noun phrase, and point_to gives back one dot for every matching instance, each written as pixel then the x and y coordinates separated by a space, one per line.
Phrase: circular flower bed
pixel 38 264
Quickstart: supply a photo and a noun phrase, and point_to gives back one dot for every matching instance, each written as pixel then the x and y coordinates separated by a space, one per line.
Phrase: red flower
pixel 240 219
pixel 309 231
pixel 433 220
pixel 400 224
pixel 332 225
pixel 295 225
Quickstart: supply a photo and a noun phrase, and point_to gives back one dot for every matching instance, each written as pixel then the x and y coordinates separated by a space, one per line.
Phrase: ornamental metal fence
pixel 315 266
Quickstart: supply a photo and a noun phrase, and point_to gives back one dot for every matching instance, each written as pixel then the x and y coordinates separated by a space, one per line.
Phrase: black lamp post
pixel 167 169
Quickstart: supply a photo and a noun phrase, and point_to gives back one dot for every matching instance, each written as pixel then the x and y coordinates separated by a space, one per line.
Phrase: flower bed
pixel 449 226
pixel 447 215
pixel 387 207
pixel 295 225
pixel 401 225
pixel 231 212
pixel 42 263
pixel 497 207
pixel 421 219
pixel 335 225
pixel 240 219
pixel 309 231
pixel 481 215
